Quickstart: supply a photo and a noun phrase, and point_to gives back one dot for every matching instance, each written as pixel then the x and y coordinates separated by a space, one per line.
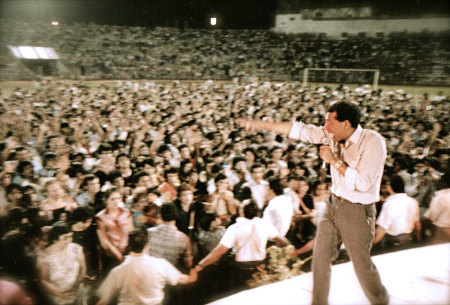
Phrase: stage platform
pixel 419 276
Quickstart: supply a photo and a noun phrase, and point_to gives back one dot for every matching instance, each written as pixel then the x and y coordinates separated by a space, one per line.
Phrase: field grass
pixel 8 87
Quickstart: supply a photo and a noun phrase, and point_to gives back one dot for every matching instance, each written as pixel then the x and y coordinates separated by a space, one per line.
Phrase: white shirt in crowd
pixel 139 280
pixel 249 238
pixel 399 214
pixel 439 210
pixel 279 212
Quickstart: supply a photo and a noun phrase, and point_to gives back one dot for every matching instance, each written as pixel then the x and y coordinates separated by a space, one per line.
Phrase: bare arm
pixel 379 234
pixel 212 257
pixel 187 279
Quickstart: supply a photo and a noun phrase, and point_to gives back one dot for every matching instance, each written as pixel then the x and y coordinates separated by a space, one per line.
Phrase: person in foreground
pixel 357 157
pixel 141 278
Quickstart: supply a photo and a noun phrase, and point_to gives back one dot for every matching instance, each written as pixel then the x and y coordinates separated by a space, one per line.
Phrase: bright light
pixel 213 21
pixel 55 22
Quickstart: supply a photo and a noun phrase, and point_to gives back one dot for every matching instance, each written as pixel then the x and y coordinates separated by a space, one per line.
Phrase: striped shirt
pixel 365 155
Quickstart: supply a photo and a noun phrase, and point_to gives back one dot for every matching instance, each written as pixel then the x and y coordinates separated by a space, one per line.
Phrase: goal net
pixel 342 76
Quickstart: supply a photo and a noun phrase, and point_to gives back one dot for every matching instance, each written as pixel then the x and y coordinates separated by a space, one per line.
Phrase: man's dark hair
pixel 220 177
pixel 251 210
pixel 276 186
pixel 139 175
pixel 397 184
pixel 256 165
pixel 120 156
pixel 168 212
pixel 170 170
pixel 105 148
pixel 346 111
pixel 82 214
pixel 59 228
pixel 137 239
pixel 238 159
pixel 86 179
pixel 22 165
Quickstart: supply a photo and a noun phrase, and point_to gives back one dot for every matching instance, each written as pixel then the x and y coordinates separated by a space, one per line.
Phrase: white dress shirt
pixel 399 214
pixel 365 155
pixel 279 213
pixel 249 238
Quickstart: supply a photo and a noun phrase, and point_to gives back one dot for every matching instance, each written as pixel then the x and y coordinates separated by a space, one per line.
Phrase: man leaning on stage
pixel 141 278
pixel 357 157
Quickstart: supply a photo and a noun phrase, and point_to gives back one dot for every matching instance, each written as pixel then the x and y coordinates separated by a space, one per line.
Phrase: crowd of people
pixel 95 51
pixel 86 166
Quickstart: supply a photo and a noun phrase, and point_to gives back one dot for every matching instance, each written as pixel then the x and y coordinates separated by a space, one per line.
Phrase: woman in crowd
pixel 114 223
pixel 57 204
pixel 62 267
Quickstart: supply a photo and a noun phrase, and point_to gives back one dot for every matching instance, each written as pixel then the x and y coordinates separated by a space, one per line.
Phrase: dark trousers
pixel 353 224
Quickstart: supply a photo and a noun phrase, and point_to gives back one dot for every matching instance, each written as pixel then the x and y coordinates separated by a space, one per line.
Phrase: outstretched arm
pixel 277 127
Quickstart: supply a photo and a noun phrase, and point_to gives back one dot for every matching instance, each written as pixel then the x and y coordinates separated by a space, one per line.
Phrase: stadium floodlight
pixel 335 75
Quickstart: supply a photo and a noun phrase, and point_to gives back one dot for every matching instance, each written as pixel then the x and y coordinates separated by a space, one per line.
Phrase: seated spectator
pixel 399 217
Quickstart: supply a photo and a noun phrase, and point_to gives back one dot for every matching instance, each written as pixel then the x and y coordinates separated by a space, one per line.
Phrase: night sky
pixel 195 13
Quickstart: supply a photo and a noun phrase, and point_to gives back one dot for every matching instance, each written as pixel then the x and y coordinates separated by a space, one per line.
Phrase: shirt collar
pixel 355 137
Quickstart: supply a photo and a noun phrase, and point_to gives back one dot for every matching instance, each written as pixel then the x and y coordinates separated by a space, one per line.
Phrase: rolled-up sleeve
pixel 368 171
pixel 306 132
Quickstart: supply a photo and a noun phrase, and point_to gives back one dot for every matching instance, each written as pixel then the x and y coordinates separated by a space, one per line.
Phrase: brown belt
pixel 345 200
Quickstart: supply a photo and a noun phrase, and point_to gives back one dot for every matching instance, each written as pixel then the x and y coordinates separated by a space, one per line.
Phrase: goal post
pixel 335 75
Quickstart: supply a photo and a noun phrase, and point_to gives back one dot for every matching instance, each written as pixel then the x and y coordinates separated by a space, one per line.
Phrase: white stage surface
pixel 414 276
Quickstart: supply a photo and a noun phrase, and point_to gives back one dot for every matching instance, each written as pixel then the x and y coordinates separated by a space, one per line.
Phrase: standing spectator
pixel 279 210
pixel 168 242
pixel 168 189
pixel 114 223
pixel 57 204
pixel 62 267
pixel 84 234
pixel 141 278
pixel 439 212
pixel 91 186
pixel 222 201
pixel 258 185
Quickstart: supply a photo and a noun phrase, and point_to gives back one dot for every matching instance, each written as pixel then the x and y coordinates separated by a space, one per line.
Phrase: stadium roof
pixel 29 52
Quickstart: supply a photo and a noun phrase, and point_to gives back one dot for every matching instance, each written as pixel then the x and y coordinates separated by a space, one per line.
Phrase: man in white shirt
pixel 141 278
pixel 357 157
pixel 279 211
pixel 398 218
pixel 248 236
pixel 258 185
pixel 439 212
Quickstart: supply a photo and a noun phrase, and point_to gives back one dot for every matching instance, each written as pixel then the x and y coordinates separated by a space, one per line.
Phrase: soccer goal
pixel 341 76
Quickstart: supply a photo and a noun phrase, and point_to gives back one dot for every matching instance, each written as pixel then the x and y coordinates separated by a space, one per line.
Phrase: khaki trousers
pixel 354 225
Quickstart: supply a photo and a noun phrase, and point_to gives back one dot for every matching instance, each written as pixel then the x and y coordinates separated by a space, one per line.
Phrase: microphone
pixel 324 141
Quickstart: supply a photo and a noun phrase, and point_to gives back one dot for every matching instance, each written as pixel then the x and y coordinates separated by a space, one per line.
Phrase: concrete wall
pixel 293 23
